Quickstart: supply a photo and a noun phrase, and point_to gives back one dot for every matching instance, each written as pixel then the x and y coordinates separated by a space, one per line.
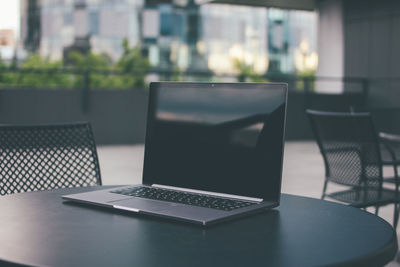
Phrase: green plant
pixel 133 62
pixel 176 75
pixel 78 70
pixel 247 73
pixel 306 80
pixel 2 69
pixel 37 72
pixel 90 65
pixel 2 64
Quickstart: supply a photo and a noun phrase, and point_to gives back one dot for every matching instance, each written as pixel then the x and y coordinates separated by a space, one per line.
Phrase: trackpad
pixel 144 204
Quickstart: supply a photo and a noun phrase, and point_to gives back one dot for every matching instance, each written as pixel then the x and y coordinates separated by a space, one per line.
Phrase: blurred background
pixel 68 60
pixel 77 60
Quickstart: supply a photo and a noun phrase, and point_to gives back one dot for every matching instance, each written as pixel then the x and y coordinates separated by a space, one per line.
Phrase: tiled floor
pixel 303 171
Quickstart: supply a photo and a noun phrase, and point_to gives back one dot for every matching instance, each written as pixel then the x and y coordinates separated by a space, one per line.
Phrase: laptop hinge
pixel 208 193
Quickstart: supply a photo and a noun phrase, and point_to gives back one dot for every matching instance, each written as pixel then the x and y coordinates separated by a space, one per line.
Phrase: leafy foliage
pixel 2 64
pixel 132 61
pixel 37 72
pixel 306 81
pixel 94 70
pixel 247 73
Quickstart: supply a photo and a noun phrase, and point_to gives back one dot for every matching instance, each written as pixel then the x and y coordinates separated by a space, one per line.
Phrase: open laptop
pixel 213 151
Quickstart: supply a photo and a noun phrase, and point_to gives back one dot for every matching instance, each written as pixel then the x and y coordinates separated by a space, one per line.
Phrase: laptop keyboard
pixel 188 198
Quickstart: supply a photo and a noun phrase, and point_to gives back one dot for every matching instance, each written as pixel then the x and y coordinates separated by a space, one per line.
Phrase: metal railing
pixel 83 78
pixel 86 80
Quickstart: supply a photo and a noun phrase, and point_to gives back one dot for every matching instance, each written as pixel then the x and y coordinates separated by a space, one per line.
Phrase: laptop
pixel 213 152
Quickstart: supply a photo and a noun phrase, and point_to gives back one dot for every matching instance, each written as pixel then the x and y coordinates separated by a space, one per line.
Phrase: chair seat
pixel 366 198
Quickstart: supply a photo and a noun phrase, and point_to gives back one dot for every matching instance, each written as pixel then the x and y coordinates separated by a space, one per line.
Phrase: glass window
pixel 93 22
pixel 68 18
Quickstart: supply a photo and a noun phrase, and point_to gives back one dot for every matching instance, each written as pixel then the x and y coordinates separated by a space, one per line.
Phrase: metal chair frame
pixel 45 157
pixel 363 188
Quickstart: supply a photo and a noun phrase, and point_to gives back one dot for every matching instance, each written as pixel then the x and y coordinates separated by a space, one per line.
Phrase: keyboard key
pixel 193 199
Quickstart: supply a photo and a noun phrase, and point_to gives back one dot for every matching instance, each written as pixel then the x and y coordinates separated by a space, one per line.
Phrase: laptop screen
pixel 219 137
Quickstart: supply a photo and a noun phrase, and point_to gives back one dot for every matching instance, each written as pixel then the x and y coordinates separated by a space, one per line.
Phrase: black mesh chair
pixel 351 151
pixel 44 157
pixel 390 151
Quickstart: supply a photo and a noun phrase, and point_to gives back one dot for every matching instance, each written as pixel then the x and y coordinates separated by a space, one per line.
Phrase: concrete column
pixel 80 19
pixel 330 46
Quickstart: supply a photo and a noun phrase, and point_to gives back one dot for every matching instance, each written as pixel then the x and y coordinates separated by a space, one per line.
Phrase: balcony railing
pixel 374 93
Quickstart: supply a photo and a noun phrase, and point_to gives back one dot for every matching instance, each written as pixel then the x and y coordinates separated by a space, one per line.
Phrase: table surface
pixel 39 228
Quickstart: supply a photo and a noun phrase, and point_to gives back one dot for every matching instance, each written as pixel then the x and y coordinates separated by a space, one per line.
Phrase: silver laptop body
pixel 213 151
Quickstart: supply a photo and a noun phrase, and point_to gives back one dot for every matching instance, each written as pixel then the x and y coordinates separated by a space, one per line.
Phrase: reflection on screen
pixel 223 138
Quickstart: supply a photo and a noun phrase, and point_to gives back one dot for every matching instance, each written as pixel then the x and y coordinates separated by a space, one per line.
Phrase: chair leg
pixel 395 216
pixel 376 210
pixel 324 189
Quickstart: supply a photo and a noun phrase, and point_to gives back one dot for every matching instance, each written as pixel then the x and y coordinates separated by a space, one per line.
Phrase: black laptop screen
pixel 217 137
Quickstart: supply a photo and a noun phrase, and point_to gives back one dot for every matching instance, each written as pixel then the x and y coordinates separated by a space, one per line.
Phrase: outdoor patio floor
pixel 303 171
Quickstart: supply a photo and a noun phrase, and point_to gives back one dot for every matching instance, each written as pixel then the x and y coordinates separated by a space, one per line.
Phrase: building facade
pixel 175 34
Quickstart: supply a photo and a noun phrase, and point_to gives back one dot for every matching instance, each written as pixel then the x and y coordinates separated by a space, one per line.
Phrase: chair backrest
pixel 349 146
pixel 44 157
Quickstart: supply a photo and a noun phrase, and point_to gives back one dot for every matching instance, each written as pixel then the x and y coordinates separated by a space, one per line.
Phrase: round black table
pixel 39 228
